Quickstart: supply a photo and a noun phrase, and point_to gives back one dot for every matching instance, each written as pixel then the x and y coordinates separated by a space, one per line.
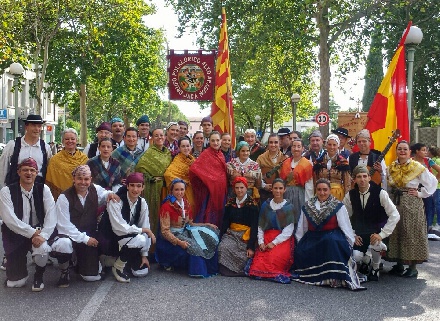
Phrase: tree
pixel 373 70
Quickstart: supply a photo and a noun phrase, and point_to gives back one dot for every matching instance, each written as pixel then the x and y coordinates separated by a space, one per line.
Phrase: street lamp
pixel 295 100
pixel 16 70
pixel 257 120
pixel 414 37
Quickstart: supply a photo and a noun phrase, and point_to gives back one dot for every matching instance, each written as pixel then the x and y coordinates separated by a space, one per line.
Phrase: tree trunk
pixel 83 114
pixel 324 62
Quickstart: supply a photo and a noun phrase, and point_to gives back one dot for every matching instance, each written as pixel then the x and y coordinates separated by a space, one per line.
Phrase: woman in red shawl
pixel 208 178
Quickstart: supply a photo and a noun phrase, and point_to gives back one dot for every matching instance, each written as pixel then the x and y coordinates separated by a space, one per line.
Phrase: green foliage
pixel 373 69
pixel 306 133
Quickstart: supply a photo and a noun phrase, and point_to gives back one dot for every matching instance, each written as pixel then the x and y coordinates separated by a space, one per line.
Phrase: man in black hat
pixel 285 143
pixel 15 151
pixel 30 145
pixel 342 133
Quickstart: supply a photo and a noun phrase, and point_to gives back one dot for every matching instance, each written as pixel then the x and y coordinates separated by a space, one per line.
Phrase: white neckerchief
pixel 365 196
pixel 277 206
pixel 26 211
pixel 238 202
pixel 132 206
pixel 105 164
pixel 182 206
pixel 83 199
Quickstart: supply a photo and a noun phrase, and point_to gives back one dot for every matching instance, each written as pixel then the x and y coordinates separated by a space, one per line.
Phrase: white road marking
pixel 95 302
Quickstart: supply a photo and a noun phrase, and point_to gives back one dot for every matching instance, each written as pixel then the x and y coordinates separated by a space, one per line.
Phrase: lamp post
pixel 294 100
pixel 257 120
pixel 414 37
pixel 16 70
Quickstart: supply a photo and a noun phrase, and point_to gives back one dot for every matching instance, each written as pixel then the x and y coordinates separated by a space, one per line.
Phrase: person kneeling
pixel 77 223
pixel 28 212
pixel 130 222
pixel 182 243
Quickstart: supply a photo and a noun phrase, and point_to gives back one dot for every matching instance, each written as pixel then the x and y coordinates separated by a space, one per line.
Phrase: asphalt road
pixel 174 296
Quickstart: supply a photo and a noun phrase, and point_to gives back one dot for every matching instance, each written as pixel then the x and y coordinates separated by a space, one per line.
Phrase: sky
pixel 347 96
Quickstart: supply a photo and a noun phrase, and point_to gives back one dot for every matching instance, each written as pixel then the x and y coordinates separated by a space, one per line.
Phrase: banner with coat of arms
pixel 191 75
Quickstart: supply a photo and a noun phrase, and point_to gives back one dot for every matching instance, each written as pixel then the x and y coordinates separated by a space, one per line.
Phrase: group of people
pixel 318 216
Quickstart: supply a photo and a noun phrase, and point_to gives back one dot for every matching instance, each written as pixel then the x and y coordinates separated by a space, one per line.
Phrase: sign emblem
pixel 322 118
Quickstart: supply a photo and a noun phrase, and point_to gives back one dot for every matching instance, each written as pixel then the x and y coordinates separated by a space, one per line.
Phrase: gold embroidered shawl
pixel 401 174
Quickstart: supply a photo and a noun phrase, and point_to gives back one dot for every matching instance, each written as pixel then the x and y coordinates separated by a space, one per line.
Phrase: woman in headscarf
pixel 106 171
pixel 274 256
pixel 179 167
pixel 239 231
pixel 182 243
pixel 297 172
pixel 323 254
pixel 334 167
pixel 270 162
pixel 408 243
pixel 153 164
pixel 61 165
pixel 247 168
pixel 208 179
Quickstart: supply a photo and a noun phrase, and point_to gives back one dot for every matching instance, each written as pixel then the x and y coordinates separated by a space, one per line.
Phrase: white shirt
pixel 22 227
pixel 64 225
pixel 143 144
pixel 341 216
pixel 285 234
pixel 121 227
pixel 363 162
pixel 86 151
pixel 387 204
pixel 26 151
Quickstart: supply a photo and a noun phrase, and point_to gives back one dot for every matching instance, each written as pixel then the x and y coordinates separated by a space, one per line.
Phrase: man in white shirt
pixel 373 217
pixel 76 210
pixel 130 222
pixel 29 219
pixel 144 136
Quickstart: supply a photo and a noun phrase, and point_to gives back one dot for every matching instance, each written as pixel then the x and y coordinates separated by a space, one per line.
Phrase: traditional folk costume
pixel 179 168
pixel 370 212
pixel 336 170
pixel 323 254
pixel 23 213
pixel 355 159
pixel 59 171
pixel 208 179
pixel 105 174
pixel 250 170
pixel 409 243
pixel 239 233
pixel 127 220
pixel 229 154
pixel 77 222
pixel 153 165
pixel 176 226
pixel 266 164
pixel 276 225
pixel 256 150
pixel 299 182
pixel 127 159
pixel 172 147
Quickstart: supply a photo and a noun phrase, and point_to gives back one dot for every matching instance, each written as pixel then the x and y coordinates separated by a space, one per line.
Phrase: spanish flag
pixel 389 109
pixel 222 111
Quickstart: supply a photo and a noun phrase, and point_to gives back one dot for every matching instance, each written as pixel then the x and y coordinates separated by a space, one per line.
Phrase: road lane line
pixel 95 302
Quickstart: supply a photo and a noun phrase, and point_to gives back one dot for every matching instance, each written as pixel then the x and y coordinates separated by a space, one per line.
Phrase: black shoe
pixel 38 284
pixel 374 275
pixel 397 270
pixel 3 265
pixel 410 273
pixel 120 275
pixel 364 269
pixel 63 282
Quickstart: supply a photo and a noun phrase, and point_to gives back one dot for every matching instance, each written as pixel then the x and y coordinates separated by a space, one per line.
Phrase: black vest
pixel 92 150
pixel 83 217
pixel 373 217
pixel 125 211
pixel 11 240
pixel 372 158
pixel 12 175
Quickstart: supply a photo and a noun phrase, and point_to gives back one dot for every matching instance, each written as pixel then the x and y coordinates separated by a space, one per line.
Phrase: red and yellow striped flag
pixel 389 109
pixel 222 111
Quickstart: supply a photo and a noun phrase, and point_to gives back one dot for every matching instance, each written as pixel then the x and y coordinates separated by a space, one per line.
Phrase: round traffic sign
pixel 322 118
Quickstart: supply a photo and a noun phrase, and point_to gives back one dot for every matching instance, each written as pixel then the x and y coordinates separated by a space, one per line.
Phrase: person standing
pixel 207 128
pixel 59 171
pixel 197 144
pixel 250 137
pixel 170 142
pixel 144 135
pixel 29 219
pixel 316 150
pixel 343 136
pixel 128 154
pixel 118 130
pixel 30 145
pixel 285 143
pixel 103 131
pixel 409 242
